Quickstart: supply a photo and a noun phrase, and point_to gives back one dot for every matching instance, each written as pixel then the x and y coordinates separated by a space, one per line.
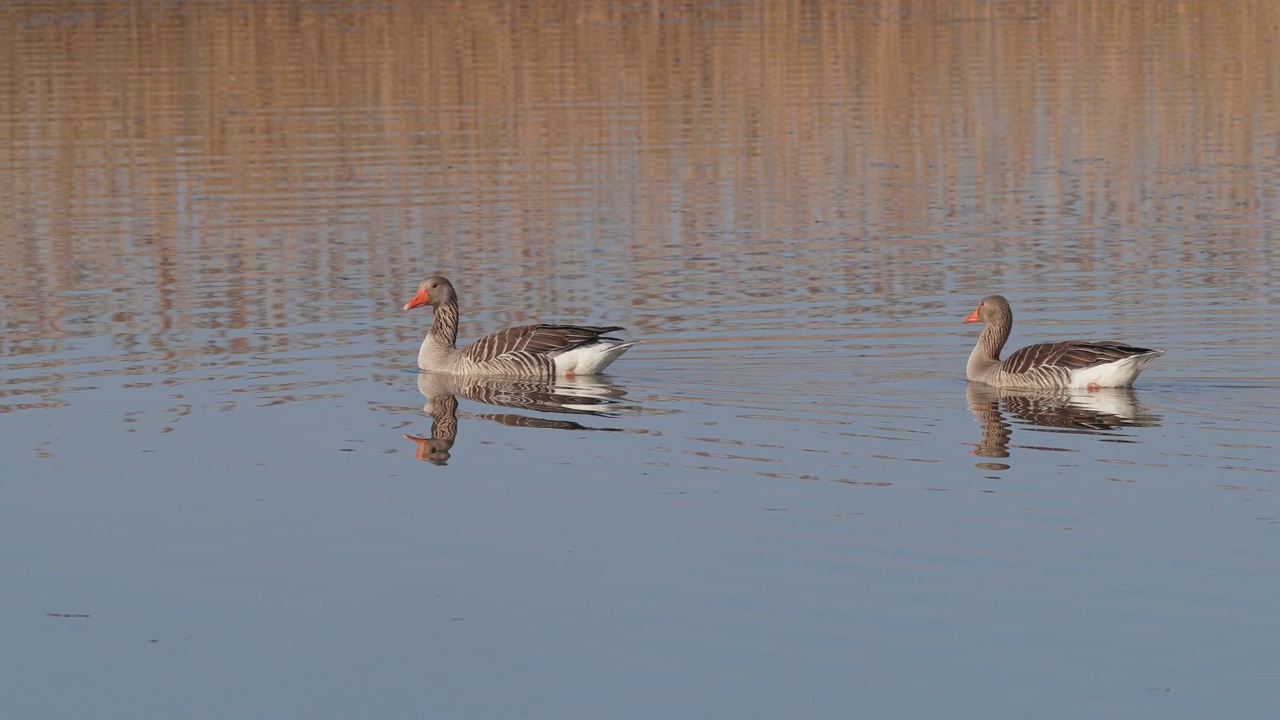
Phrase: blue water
pixel 229 493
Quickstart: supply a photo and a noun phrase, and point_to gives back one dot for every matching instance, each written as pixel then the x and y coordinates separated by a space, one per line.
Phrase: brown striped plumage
pixel 1073 363
pixel 1068 354
pixel 535 339
pixel 532 351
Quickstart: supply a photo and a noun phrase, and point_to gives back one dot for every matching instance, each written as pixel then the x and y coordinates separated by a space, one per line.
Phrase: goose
pixel 525 351
pixel 1069 364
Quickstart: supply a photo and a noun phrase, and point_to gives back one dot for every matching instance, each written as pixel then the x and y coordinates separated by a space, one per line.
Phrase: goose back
pixel 535 339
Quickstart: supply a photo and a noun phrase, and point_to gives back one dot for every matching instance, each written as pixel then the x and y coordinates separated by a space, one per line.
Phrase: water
pixel 229 493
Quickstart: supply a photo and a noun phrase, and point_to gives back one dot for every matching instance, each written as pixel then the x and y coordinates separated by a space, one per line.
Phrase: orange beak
pixel 418 300
pixel 973 317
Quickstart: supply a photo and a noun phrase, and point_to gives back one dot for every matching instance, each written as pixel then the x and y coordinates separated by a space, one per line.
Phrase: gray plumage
pixel 526 351
pixel 1072 363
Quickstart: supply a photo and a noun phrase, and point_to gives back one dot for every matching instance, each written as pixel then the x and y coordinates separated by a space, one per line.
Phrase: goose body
pixel 1046 366
pixel 525 351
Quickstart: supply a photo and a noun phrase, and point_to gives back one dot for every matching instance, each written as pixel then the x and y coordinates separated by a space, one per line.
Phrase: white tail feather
pixel 1120 373
pixel 590 359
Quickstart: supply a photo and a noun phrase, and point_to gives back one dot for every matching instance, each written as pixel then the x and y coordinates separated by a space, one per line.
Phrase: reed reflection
pixel 1100 412
pixel 584 395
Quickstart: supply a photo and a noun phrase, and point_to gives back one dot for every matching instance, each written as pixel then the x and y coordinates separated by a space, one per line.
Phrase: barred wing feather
pixel 534 339
pixel 1070 354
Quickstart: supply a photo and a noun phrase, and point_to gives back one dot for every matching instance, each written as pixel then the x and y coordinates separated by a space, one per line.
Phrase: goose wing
pixel 534 339
pixel 1070 354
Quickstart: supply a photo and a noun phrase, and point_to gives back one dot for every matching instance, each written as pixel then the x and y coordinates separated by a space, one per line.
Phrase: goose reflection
pixel 1100 412
pixel 583 395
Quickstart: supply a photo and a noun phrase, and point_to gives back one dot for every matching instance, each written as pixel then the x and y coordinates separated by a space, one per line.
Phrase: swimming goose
pixel 526 351
pixel 1069 364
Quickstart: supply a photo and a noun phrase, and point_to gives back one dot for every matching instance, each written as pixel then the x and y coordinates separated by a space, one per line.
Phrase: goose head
pixel 434 291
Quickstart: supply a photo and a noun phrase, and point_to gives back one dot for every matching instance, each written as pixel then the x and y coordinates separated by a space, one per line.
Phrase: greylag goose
pixel 1047 366
pixel 526 351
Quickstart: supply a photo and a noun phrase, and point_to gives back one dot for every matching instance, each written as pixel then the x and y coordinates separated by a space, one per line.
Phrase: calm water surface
pixel 229 493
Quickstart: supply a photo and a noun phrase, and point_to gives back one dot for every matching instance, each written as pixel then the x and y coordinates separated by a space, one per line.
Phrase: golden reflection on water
pixel 179 178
